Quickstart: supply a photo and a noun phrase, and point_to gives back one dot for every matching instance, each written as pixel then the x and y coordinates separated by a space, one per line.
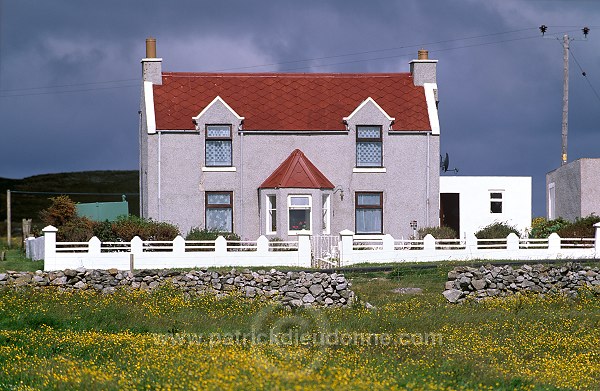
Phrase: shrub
pixel 59 212
pixel 582 228
pixel 542 228
pixel 77 229
pixel 197 233
pixel 127 227
pixel 497 230
pixel 104 231
pixel 438 232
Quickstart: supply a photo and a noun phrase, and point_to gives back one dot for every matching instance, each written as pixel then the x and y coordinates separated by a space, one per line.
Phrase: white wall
pixel 474 200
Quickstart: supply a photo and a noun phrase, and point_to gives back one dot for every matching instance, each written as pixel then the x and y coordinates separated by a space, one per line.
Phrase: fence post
pixel 94 246
pixel 347 247
pixel 512 242
pixel 262 245
pixel 220 246
pixel 554 243
pixel 179 245
pixel 597 241
pixel 429 243
pixel 50 247
pixel 304 250
pixel 388 243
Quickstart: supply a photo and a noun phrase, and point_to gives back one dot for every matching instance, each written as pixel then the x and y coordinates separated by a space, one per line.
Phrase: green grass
pixel 14 258
pixel 129 340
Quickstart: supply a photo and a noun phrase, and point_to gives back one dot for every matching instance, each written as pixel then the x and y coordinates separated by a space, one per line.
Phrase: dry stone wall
pixel 491 281
pixel 293 289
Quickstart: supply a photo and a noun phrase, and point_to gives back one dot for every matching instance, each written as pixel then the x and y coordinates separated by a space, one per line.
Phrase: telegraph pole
pixel 565 109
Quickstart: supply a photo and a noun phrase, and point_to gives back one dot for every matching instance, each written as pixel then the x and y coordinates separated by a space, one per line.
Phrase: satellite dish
pixel 445 163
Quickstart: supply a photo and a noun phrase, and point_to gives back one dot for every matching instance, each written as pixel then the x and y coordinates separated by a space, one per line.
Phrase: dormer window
pixel 218 151
pixel 369 146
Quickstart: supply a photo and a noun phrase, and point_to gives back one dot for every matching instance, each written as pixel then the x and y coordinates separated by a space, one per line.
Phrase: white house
pixel 469 203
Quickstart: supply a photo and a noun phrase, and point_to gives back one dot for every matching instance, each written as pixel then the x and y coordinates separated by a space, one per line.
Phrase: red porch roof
pixel 297 171
pixel 289 101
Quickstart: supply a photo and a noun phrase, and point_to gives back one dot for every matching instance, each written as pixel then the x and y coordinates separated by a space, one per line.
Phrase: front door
pixel 450 211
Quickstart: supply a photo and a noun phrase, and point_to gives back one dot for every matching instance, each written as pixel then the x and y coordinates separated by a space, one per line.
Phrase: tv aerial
pixel 444 162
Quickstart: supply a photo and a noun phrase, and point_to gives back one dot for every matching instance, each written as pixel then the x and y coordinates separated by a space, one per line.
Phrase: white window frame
pixel 551 201
pixel 326 213
pixel 299 207
pixel 270 207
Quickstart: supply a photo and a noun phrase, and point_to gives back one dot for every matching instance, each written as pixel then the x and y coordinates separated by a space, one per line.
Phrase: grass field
pixel 166 340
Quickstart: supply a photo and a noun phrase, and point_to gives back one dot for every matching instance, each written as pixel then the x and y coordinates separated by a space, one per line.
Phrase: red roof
pixel 289 101
pixel 297 172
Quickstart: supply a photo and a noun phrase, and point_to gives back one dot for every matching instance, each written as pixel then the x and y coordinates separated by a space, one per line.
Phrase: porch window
pixel 271 214
pixel 369 213
pixel 495 202
pixel 299 213
pixel 219 211
pixel 326 221
pixel 218 151
pixel 369 146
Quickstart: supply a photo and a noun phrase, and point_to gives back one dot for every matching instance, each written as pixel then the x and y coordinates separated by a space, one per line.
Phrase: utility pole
pixel 8 218
pixel 565 110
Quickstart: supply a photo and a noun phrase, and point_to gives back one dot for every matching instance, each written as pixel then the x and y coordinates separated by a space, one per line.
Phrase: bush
pixel 497 230
pixel 104 231
pixel 77 229
pixel 438 232
pixel 61 211
pixel 542 228
pixel 209 234
pixel 582 228
pixel 127 227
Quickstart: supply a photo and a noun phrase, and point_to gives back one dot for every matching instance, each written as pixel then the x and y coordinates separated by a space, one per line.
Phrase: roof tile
pixel 289 101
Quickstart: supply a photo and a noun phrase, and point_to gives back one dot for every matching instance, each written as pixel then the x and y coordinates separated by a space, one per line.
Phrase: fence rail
pixel 330 251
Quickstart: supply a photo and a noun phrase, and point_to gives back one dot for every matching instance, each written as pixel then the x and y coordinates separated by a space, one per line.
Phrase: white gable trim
pixel 369 99
pixel 149 106
pixel 434 121
pixel 217 99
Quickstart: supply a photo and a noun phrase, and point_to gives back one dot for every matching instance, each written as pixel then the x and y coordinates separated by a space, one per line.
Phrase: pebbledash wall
pixel 175 177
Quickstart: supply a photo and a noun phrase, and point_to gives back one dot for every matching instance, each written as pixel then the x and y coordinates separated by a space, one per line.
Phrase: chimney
pixel 423 70
pixel 151 66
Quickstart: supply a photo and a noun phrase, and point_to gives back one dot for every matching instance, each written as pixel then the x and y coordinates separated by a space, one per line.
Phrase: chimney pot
pixel 423 54
pixel 150 47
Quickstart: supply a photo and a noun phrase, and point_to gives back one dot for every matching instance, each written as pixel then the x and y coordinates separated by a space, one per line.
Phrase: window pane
pixel 368 132
pixel 369 154
pixel 299 219
pixel 368 221
pixel 299 201
pixel 218 153
pixel 272 220
pixel 496 195
pixel 218 198
pixel 220 219
pixel 218 131
pixel 366 199
pixel 496 207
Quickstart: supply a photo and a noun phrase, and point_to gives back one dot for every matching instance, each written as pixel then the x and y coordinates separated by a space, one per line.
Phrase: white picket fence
pixel 351 249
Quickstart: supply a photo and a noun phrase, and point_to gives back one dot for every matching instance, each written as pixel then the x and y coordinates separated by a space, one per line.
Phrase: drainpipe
pixel 241 195
pixel 427 184
pixel 140 168
pixel 159 174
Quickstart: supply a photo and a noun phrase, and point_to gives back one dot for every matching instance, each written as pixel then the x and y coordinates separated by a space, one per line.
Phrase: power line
pixel 69 85
pixel 69 193
pixel 584 74
pixel 69 91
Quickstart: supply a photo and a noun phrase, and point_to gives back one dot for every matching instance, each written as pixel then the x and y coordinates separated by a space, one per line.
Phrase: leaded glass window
pixel 218 151
pixel 369 146
pixel 219 211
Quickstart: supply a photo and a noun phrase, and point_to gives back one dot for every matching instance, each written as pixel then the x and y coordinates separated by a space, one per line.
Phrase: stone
pixel 3 276
pixel 341 286
pixel 316 290
pixel 478 284
pixel 449 285
pixel 308 298
pixel 452 295
pixel 70 273
pixel 414 291
pixel 59 281
pixel 328 300
pixel 80 285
